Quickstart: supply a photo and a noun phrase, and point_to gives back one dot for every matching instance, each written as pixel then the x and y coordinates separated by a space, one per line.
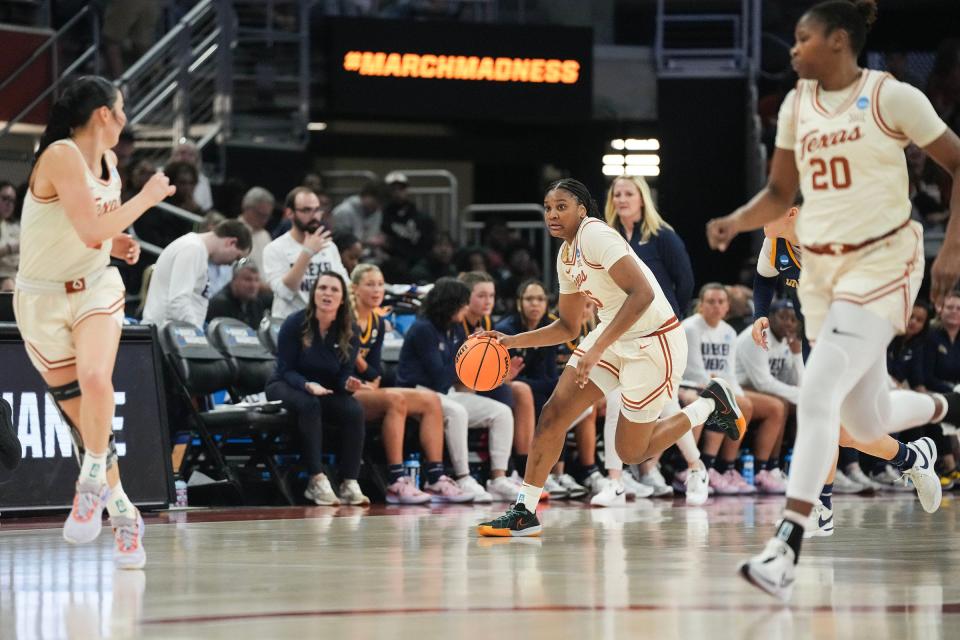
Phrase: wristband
pixel 307 251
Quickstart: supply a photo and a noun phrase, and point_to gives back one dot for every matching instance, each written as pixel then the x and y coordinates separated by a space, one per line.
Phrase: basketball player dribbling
pixel 638 346
pixel 69 303
pixel 840 138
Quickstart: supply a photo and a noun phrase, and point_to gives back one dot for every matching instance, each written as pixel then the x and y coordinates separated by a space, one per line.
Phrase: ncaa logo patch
pixel 863 102
pixel 784 260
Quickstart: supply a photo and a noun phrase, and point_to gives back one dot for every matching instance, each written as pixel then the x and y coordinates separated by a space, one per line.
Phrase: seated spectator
pixel 255 212
pixel 905 355
pixel 350 250
pixel 941 349
pixel 515 394
pixel 409 232
pixel 218 275
pixel 178 288
pixel 136 177
pixel 160 227
pixel 242 299
pixel 427 361
pixel 292 262
pixel 393 405
pixel 712 351
pixel 471 259
pixel 201 192
pixel 361 215
pixel 740 315
pixel 439 264
pixel 9 231
pixel 326 206
pixel 316 351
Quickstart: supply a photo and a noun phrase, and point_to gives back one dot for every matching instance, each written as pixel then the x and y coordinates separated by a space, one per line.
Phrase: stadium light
pixel 316 126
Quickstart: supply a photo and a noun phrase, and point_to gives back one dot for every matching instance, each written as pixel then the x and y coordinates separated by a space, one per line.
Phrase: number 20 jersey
pixel 848 147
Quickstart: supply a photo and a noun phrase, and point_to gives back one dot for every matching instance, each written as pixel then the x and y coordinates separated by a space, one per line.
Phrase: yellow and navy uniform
pixel 371 346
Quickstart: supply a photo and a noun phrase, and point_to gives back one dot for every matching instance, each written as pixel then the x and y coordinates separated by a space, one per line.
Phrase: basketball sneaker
pixel 772 570
pixel 769 482
pixel 556 490
pixel 612 493
pixel 320 492
pixel 128 538
pixel 891 479
pixel 655 480
pixel 697 485
pixel 922 475
pixel 515 523
pixel 726 417
pixel 574 488
pixel 594 482
pixel 736 480
pixel 855 473
pixel 468 484
pixel 10 449
pixel 403 491
pixel 821 522
pixel 86 517
pixel 721 484
pixel 843 484
pixel 503 489
pixel 351 494
pixel 446 490
pixel 634 488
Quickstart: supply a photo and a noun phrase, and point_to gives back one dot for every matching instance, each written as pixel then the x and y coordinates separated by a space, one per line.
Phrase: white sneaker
pixel 128 539
pixel 922 475
pixel 503 489
pixel 634 488
pixel 320 492
pixel 574 488
pixel 351 494
pixel 612 494
pixel 772 570
pixel 891 479
pixel 697 485
pixel 594 482
pixel 843 484
pixel 855 473
pixel 469 484
pixel 655 480
pixel 556 490
pixel 821 522
pixel 85 521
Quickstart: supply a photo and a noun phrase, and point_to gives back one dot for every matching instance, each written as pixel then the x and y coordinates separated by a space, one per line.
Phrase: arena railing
pixel 532 230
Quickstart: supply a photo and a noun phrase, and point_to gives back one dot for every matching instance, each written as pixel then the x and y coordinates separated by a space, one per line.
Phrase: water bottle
pixel 747 461
pixel 181 488
pixel 787 462
pixel 411 466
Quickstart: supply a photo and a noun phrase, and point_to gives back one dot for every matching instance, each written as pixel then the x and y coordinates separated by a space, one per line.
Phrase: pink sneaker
pixel 446 490
pixel 721 484
pixel 769 482
pixel 403 491
pixel 736 480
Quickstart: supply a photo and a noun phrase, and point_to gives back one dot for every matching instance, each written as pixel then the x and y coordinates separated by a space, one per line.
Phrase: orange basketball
pixel 482 363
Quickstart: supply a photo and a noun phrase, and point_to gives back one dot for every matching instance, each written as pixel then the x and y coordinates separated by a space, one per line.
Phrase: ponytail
pixel 579 191
pixel 73 108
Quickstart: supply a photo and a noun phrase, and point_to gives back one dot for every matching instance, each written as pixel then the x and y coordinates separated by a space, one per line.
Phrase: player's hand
pixel 158 188
pixel 318 240
pixel 585 365
pixel 502 338
pixel 759 332
pixel 944 274
pixel 721 231
pixel 125 248
pixel 316 389
pixel 516 366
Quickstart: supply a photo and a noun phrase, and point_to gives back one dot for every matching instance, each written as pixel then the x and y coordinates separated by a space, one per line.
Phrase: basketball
pixel 482 363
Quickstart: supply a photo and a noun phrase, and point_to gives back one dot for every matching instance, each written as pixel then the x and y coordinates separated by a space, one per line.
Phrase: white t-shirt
pixel 279 257
pixel 584 268
pixel 848 147
pixel 777 371
pixel 711 352
pixel 178 288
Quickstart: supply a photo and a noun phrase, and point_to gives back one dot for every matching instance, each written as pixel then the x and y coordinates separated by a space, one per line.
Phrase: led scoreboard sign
pixel 458 70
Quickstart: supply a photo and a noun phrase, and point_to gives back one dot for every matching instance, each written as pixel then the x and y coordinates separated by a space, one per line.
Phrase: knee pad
pixel 70 391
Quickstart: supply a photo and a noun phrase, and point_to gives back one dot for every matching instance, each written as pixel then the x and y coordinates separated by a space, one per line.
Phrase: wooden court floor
pixel 654 569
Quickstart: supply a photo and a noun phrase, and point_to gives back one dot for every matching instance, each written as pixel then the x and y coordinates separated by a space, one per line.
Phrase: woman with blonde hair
pixel 394 404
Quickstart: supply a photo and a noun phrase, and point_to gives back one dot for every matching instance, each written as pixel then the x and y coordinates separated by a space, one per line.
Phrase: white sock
pixel 94 468
pixel 529 496
pixel 699 410
pixel 688 447
pixel 118 504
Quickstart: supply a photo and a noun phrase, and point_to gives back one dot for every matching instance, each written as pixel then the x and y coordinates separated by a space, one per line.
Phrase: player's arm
pixel 945 272
pixel 768 205
pixel 565 328
pixel 64 169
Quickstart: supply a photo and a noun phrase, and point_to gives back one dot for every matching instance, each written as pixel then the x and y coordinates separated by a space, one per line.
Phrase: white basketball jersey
pixel 50 248
pixel 583 267
pixel 853 173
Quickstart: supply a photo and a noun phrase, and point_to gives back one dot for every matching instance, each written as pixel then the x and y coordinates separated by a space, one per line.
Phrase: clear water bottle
pixel 411 466
pixel 747 463
pixel 181 488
